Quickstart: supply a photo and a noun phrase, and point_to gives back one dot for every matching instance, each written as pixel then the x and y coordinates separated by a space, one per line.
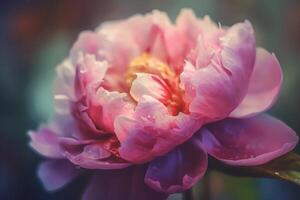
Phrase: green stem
pixel 206 191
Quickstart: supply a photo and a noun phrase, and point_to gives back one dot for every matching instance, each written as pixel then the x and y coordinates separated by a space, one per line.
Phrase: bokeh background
pixel 36 35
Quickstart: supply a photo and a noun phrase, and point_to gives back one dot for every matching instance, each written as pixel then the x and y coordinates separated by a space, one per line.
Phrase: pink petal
pixel 179 170
pixel 189 24
pixel 90 154
pixel 110 44
pixel 151 85
pixel 192 26
pixel 105 106
pixel 87 42
pixel 265 84
pixel 126 184
pixel 55 174
pixel 96 107
pixel 45 142
pixel 90 70
pixel 152 131
pixel 64 83
pixel 213 91
pixel 250 141
pixel 152 33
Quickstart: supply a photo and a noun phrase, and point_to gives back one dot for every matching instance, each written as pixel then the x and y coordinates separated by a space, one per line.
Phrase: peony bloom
pixel 144 102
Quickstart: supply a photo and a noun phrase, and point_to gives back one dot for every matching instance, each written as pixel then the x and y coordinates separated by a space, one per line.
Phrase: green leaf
pixel 286 167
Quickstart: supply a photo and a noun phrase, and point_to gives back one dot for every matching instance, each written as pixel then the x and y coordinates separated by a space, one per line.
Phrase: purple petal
pixel 45 142
pixel 55 174
pixel 126 184
pixel 90 154
pixel 251 141
pixel 179 170
pixel 265 84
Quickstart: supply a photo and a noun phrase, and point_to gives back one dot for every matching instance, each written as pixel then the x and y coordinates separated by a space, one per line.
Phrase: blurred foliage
pixel 286 167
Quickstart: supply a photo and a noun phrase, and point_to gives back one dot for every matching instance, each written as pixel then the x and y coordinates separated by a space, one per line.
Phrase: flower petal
pixel 104 106
pixel 126 184
pixel 192 26
pixel 251 141
pixel 96 106
pixel 213 91
pixel 55 174
pixel 179 170
pixel 87 42
pixel 148 84
pixel 265 84
pixel 152 131
pixel 45 141
pixel 90 154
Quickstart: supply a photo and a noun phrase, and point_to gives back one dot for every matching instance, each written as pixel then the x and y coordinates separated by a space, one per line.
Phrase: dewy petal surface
pixel 152 131
pixel 126 184
pixel 178 170
pixel 264 87
pixel 249 141
pixel 214 90
pixel 91 154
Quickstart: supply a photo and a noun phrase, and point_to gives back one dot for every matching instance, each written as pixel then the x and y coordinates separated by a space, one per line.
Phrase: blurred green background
pixel 36 35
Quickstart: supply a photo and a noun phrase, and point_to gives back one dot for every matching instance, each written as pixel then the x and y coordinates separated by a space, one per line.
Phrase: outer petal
pixel 87 42
pixel 45 141
pixel 213 91
pixel 55 174
pixel 91 154
pixel 251 141
pixel 179 170
pixel 152 131
pixel 192 27
pixel 126 184
pixel 265 84
pixel 64 83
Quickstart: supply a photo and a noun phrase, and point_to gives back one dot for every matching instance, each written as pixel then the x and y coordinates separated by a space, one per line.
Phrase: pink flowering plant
pixel 143 102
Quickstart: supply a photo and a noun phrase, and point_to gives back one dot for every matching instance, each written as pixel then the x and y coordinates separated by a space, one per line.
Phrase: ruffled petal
pixel 152 131
pixel 250 141
pixel 152 33
pixel 55 174
pixel 104 106
pixel 179 170
pixel 91 154
pixel 192 27
pixel 265 84
pixel 126 184
pixel 215 87
pixel 88 42
pixel 96 107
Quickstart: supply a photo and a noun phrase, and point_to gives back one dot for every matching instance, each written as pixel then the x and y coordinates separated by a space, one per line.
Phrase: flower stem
pixel 206 191
pixel 188 195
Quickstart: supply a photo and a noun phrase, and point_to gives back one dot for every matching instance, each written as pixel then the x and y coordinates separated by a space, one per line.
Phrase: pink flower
pixel 154 99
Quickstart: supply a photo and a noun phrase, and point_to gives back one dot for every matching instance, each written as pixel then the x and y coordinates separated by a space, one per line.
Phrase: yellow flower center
pixel 146 63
